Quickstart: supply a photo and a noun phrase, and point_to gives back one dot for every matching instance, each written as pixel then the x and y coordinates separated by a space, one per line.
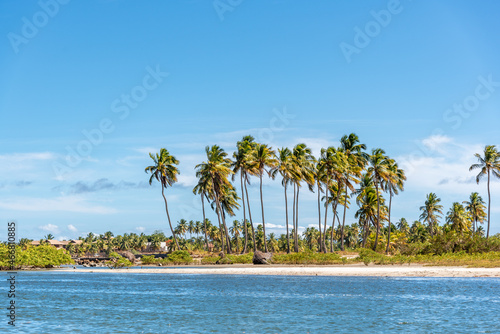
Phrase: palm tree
pixel 378 172
pixel 203 188
pixel 457 217
pixel 191 228
pixel 182 227
pixel 241 164
pixel 164 171
pixel 403 226
pixel 286 169
pixel 235 230
pixel 217 170
pixel 393 184
pixel 475 206
pixel 431 211
pixel 489 164
pixel 303 164
pixel 369 207
pixel 263 157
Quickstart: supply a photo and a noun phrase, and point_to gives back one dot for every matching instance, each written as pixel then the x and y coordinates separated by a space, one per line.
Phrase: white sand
pixel 345 270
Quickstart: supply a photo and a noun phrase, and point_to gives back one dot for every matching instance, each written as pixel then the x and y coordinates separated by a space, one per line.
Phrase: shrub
pixel 306 258
pixel 149 259
pixel 118 261
pixel 180 257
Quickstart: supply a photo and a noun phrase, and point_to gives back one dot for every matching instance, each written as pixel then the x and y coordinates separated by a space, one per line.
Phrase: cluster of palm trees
pixel 107 242
pixel 339 175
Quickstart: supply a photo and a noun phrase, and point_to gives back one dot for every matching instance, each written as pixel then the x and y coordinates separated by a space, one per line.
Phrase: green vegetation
pixel 342 177
pixel 307 258
pixel 118 261
pixel 176 257
pixel 44 256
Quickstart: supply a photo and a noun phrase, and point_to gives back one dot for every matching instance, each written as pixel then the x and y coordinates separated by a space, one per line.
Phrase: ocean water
pixel 97 302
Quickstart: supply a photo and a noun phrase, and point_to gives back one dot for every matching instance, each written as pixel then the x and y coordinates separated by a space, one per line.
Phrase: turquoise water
pixel 64 302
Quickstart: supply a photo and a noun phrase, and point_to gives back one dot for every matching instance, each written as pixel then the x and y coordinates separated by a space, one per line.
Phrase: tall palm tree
pixel 356 160
pixel 235 230
pixel 182 227
pixel 320 177
pixel 457 217
pixel 191 228
pixel 263 157
pixel 393 184
pixel 203 188
pixel 488 164
pixel 431 211
pixel 475 206
pixel 324 172
pixel 303 162
pixel 164 171
pixel 217 169
pixel 378 172
pixel 286 169
pixel 241 165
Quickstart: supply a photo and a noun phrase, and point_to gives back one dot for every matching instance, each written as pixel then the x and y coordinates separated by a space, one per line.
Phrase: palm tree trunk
pixel 244 214
pixel 333 222
pixel 204 220
pixel 250 214
pixel 168 216
pixel 326 215
pixel 378 217
pixel 295 246
pixel 389 232
pixel 220 230
pixel 286 215
pixel 319 219
pixel 262 208
pixel 343 221
pixel 489 206
pixel 228 239
pixel 297 221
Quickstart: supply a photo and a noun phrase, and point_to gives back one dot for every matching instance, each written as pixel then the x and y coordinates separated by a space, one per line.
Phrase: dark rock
pixel 128 255
pixel 222 255
pixel 261 257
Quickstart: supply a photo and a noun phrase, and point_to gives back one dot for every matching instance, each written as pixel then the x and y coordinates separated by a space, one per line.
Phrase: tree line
pixel 339 176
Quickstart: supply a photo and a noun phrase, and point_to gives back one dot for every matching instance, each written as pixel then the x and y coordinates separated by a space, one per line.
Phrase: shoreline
pixel 307 270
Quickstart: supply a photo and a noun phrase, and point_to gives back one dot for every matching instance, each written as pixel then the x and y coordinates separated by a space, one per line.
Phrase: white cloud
pixel 72 228
pixel 17 162
pixel 140 229
pixel 49 228
pixel 68 204
pixel 444 169
pixel 436 142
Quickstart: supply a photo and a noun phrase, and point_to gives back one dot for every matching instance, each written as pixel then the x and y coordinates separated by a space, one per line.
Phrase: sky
pixel 89 88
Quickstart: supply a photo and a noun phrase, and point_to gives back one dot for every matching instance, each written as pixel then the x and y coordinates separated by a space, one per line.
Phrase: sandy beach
pixel 345 270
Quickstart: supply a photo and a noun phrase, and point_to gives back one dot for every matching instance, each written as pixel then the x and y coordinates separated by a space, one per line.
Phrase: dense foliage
pixel 44 256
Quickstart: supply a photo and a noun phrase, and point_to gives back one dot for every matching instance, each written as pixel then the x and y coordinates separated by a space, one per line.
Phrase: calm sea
pixel 63 302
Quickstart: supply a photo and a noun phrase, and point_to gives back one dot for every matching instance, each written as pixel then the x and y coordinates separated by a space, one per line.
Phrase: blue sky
pixel 89 88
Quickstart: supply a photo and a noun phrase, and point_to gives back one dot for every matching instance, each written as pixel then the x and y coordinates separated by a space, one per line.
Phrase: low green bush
pixel 307 258
pixel 180 257
pixel 118 261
